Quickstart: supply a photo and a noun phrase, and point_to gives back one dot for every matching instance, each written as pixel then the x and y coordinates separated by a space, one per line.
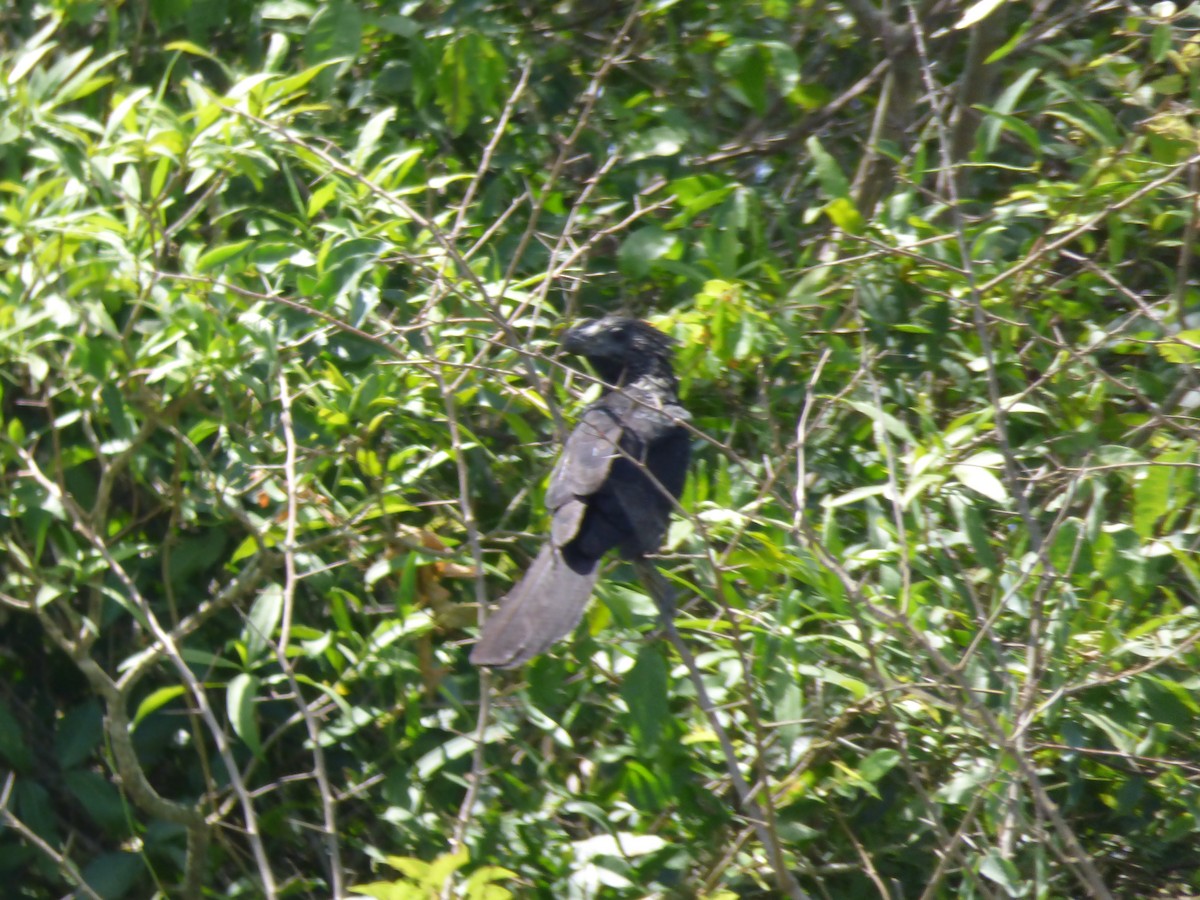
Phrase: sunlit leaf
pixel 977 12
pixel 241 696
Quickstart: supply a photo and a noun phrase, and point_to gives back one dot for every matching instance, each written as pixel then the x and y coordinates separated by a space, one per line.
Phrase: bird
pixel 614 486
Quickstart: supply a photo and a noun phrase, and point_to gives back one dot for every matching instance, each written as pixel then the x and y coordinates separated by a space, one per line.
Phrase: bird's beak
pixel 577 336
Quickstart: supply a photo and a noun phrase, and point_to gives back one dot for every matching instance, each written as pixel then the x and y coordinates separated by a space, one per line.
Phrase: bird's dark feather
pixel 614 486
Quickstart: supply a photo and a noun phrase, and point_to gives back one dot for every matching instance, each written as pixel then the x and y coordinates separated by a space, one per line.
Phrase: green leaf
pixel 223 254
pixel 27 60
pixel 334 33
pixel 83 82
pixel 480 885
pixel 282 88
pixel 189 48
pixel 884 419
pixel 809 96
pixel 824 674
pixel 320 198
pixel 445 866
pixel 98 798
pixel 1161 40
pixel 470 80
pixel 977 12
pixel 744 66
pixel 240 697
pixel 1011 44
pixel 996 123
pixel 697 193
pixel 645 693
pixel 157 699
pixel 13 747
pixel 829 174
pixel 1001 871
pixel 370 136
pixel 1183 348
pixel 975 472
pixel 1068 542
pixel 410 867
pixel 114 874
pixel 845 215
pixel 878 764
pixel 854 495
pixel 263 621
pixel 399 25
pixel 78 733
pixel 390 890
pixel 970 521
pixel 662 141
pixel 1151 498
pixel 645 247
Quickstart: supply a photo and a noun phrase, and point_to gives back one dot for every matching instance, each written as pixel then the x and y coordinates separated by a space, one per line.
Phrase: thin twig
pixel 69 870
pixel 166 641
pixel 761 818
pixel 331 831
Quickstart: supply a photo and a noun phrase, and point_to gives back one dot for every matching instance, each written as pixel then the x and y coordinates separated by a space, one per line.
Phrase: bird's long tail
pixel 546 604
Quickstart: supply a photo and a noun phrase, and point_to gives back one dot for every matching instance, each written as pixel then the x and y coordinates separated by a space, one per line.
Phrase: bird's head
pixel 620 348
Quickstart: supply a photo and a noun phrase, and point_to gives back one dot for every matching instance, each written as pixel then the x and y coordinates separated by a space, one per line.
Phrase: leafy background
pixel 280 290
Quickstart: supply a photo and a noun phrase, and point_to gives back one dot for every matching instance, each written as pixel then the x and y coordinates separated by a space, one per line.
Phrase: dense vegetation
pixel 279 291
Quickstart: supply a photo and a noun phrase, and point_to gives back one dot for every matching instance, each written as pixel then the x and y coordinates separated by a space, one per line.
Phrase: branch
pixel 69 870
pixel 320 769
pixel 762 817
pixel 166 641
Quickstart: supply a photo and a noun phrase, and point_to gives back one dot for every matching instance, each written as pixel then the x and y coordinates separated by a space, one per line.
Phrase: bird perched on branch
pixel 615 484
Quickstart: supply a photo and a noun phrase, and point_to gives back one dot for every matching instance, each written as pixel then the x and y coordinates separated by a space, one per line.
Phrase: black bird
pixel 613 486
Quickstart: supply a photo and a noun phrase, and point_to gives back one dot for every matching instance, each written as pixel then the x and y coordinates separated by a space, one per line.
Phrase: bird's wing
pixel 668 447
pixel 644 484
pixel 586 459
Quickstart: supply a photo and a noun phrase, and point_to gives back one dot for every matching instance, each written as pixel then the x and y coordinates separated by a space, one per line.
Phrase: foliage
pixel 279 290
